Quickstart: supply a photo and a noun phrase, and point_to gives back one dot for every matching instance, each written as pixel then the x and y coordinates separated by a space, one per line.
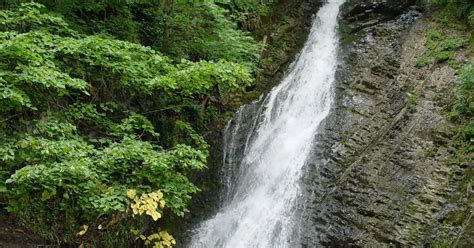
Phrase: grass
pixel 413 98
pixel 441 47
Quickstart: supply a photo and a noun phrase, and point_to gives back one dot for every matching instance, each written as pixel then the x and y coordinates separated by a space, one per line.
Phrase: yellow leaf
pixel 134 231
pixel 154 236
pixel 131 193
pixel 134 208
pixel 23 144
pixel 83 230
pixel 155 215
pixel 149 202
pixel 153 196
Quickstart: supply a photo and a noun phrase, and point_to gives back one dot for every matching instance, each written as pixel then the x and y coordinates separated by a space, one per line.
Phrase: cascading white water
pixel 262 192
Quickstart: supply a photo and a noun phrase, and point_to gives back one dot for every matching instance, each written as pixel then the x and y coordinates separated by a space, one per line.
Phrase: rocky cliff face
pixel 382 173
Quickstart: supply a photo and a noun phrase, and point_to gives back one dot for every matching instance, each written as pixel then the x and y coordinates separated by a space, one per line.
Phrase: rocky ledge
pixel 381 174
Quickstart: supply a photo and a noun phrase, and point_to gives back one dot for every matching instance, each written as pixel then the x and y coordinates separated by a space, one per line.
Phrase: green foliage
pixel 182 29
pixel 440 48
pixel 464 103
pixel 463 141
pixel 246 13
pixel 62 170
pixel 211 36
pixel 29 17
pixel 85 118
pixel 36 61
pixel 413 98
pixel 463 109
pixel 244 6
pixel 462 9
pixel 451 33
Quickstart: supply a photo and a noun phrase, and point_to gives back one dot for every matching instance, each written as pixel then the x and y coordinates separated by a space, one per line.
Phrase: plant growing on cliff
pixel 463 9
pixel 463 141
pixel 463 107
pixel 441 48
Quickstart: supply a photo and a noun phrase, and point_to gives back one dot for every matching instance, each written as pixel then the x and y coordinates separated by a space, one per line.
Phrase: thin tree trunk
pixel 167 11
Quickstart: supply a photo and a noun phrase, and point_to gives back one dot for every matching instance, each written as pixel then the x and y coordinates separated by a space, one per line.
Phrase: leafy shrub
pixel 463 108
pixel 77 132
pixel 464 103
pixel 192 30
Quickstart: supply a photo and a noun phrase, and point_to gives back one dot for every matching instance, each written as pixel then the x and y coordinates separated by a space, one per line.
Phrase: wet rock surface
pixel 381 174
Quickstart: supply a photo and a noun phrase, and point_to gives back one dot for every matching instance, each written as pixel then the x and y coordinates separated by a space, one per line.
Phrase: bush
pixel 86 119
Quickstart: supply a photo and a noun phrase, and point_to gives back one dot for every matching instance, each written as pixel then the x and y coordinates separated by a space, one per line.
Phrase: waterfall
pixel 263 162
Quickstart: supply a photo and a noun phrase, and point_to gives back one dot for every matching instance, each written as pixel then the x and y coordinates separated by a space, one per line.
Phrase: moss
pixel 431 152
pixel 422 62
pixel 413 98
pixel 443 56
pixel 345 201
pixel 413 231
pixel 455 198
pixel 400 191
pixel 442 244
pixel 381 32
pixel 456 218
pixel 411 209
pixel 440 47
pixel 461 115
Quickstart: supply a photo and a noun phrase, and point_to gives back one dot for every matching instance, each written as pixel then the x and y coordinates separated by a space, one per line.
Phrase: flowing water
pixel 263 163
